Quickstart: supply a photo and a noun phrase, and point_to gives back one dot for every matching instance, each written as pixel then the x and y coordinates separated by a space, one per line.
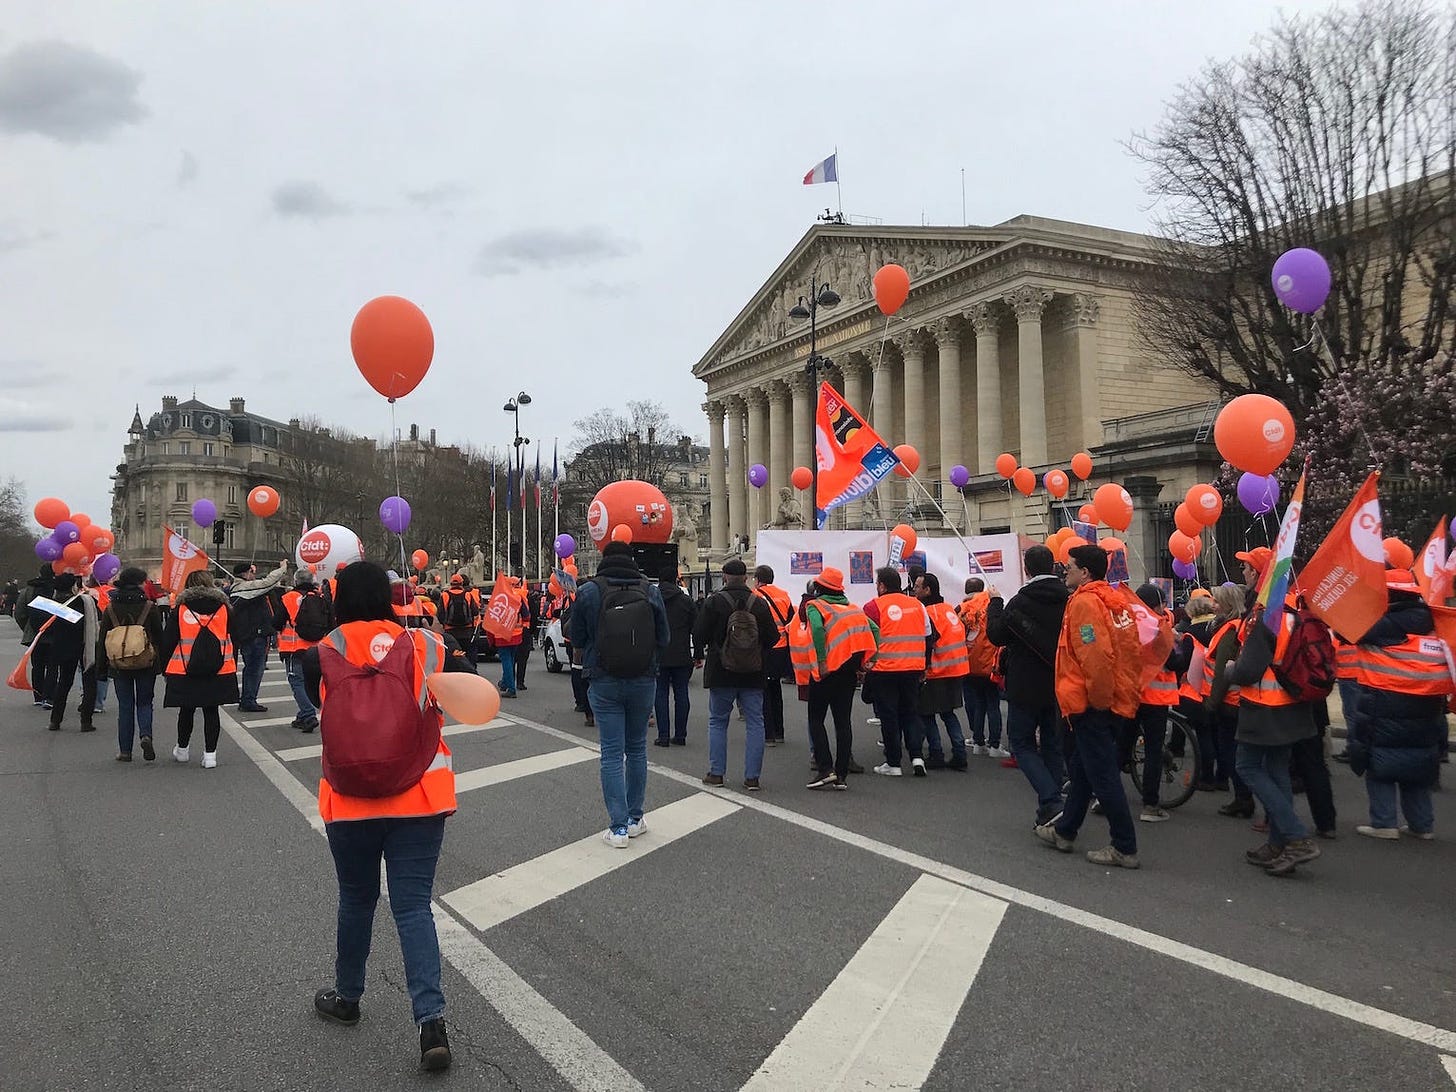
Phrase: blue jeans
pixel 720 708
pixel 674 680
pixel 134 695
pixel 293 668
pixel 1265 770
pixel 1095 772
pixel 103 687
pixel 621 708
pixel 952 729
pixel 1415 801
pixel 983 709
pixel 1036 740
pixel 254 654
pixel 508 669
pixel 411 850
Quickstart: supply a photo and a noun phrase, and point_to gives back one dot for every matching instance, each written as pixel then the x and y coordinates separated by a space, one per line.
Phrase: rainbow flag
pixel 1275 583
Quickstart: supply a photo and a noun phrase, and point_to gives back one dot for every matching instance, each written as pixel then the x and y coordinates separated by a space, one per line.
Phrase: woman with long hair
pixel 201 667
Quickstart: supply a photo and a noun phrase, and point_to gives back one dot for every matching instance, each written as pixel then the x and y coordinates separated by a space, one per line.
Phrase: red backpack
pixel 1307 668
pixel 378 736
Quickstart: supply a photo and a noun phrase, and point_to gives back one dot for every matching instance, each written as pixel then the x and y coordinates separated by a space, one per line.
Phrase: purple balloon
pixel 1185 570
pixel 394 513
pixel 959 475
pixel 48 549
pixel 105 567
pixel 1301 279
pixel 1258 494
pixel 66 531
pixel 758 475
pixel 204 512
pixel 565 546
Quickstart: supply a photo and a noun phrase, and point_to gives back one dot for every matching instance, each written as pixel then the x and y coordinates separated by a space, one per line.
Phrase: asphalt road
pixel 165 927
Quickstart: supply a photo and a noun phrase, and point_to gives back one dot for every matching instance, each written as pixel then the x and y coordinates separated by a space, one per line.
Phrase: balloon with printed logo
pixel 909 460
pixel 394 513
pixel 802 477
pixel 465 696
pixel 564 545
pixel 48 549
pixel 1056 483
pixel 1088 514
pixel 1185 522
pixel 621 533
pixel 66 532
pixel 1082 465
pixel 1205 503
pixel 105 568
pixel 81 520
pixel 1114 506
pixel 959 476
pixel 1398 555
pixel 758 475
pixel 393 345
pixel 892 288
pixel 97 540
pixel 49 511
pixel 1184 547
pixel 903 540
pixel 1254 433
pixel 1185 570
pixel 75 555
pixel 1301 280
pixel 263 501
pixel 420 560
pixel 637 504
pixel 1258 493
pixel 204 512
pixel 328 546
pixel 1006 464
pixel 1024 480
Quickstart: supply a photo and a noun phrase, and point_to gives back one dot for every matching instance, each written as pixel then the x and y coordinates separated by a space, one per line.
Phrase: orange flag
pixel 19 679
pixel 180 559
pixel 503 612
pixel 1433 569
pixel 1344 583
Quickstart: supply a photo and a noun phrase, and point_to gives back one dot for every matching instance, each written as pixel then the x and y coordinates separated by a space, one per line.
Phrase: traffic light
pixel 219 533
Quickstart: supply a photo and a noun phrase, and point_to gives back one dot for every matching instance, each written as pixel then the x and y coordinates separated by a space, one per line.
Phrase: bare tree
pixel 17 533
pixel 610 446
pixel 1336 132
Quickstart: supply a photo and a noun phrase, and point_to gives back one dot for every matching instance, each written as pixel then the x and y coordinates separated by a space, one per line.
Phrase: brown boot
pixel 1298 852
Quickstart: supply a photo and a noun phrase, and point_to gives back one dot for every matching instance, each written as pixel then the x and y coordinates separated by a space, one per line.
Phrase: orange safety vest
pixel 289 640
pixel 1205 684
pixel 434 794
pixel 781 607
pixel 1347 656
pixel 189 625
pixel 412 614
pixel 950 658
pixel 902 634
pixel 1417 666
pixel 846 631
pixel 982 652
pixel 1268 691
pixel 1162 688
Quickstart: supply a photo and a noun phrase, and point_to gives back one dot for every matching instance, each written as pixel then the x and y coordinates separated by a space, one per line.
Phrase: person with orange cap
pixel 829 645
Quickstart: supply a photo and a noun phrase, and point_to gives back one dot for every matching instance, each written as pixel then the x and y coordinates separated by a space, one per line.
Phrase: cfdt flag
pixel 1275 584
pixel 179 560
pixel 853 459
pixel 1435 571
pixel 1344 582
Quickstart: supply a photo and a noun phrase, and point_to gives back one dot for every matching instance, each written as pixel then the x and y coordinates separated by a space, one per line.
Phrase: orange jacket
pixel 288 638
pixel 950 658
pixel 1099 657
pixel 973 617
pixel 781 607
pixel 189 625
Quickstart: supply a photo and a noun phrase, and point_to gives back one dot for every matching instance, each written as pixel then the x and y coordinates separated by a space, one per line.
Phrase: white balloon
pixel 328 546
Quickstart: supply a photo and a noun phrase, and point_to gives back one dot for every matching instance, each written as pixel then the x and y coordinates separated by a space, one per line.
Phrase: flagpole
pixel 838 189
pixel 539 575
pixel 494 541
pixel 510 503
pixel 555 495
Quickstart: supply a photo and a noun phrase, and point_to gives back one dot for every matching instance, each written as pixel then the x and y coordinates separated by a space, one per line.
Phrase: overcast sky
pixel 580 195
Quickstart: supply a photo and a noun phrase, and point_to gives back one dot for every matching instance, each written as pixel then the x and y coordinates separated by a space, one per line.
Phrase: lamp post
pixel 820 295
pixel 513 407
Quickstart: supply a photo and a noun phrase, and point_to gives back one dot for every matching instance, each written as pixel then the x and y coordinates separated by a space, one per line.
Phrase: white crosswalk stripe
pixel 314 750
pixel 521 767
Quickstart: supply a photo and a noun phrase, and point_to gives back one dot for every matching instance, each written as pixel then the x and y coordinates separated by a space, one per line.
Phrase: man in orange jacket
pixel 1098 684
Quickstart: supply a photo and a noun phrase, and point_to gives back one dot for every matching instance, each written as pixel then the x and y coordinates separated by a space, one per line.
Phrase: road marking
pixel 267 722
pixel 521 767
pixel 882 1022
pixel 1288 988
pixel 1450 1065
pixel 315 750
pixel 488 902
pixel 579 1059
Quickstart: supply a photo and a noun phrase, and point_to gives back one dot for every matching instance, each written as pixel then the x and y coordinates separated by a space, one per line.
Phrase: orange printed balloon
pixel 802 477
pixel 621 533
pixel 1398 555
pixel 638 505
pixel 1056 483
pixel 892 288
pixel 393 345
pixel 1186 522
pixel 1114 506
pixel 50 511
pixel 263 501
pixel 1024 480
pixel 75 554
pixel 82 521
pixel 906 534
pixel 1088 514
pixel 1255 433
pixel 909 460
pixel 1006 464
pixel 420 560
pixel 1082 465
pixel 1184 547
pixel 1205 504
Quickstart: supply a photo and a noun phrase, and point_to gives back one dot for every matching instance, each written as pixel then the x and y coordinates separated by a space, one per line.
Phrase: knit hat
pixel 830 579
pixel 1401 580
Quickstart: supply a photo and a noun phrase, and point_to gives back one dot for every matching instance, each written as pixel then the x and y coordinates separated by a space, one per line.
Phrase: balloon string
pixel 875 375
pixel 1317 342
pixel 394 451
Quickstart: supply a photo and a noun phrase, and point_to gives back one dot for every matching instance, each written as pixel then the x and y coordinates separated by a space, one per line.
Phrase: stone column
pixel 779 436
pixel 737 469
pixel 986 318
pixel 912 351
pixel 1144 550
pixel 856 369
pixel 757 453
pixel 882 394
pixel 1028 302
pixel 1084 311
pixel 801 452
pixel 952 429
pixel 717 476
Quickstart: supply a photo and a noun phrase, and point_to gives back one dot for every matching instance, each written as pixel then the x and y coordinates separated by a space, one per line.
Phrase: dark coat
pixel 617 570
pixel 1266 725
pixel 252 618
pixel 186 691
pixel 1028 628
pixel 682 612
pixel 125 608
pixel 1394 736
pixel 711 629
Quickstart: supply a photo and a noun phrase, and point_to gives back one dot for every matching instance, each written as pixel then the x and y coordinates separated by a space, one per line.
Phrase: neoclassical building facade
pixel 1016 338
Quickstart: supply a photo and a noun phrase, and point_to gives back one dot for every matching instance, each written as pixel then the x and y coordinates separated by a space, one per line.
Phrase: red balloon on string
pixel 621 533
pixel 1186 522
pixel 909 460
pixel 1082 465
pixel 393 345
pixel 1056 483
pixel 802 477
pixel 1006 464
pixel 1024 480
pixel 892 288
pixel 1114 506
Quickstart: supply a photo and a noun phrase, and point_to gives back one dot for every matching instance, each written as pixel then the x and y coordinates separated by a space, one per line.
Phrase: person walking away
pixel 736 630
pixel 459 614
pixel 530 626
pixel 70 647
pixel 675 667
pixel 131 637
pixel 1221 699
pixel 304 618
pixel 830 643
pixel 945 675
pixel 30 622
pixel 1027 629
pixel 201 665
pixel 1195 633
pixel 508 640
pixel 579 688
pixel 619 629
pixel 1158 696
pixel 95 685
pixel 251 608
pixel 1098 682
pixel 1402 686
pixel 376 806
pixel 776 665
pixel 981 695
pixel 905 642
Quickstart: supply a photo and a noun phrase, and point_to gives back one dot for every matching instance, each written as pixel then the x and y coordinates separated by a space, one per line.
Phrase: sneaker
pixel 616 837
pixel 771 742
pixel 1153 814
pixel 1097 808
pixel 750 784
pixel 840 786
pixel 1329 835
pixel 917 767
pixel 124 756
pixel 636 827
pixel 1112 857
pixel 713 779
pixel 680 743
pixel 434 1046
pixel 334 1008
pixel 1389 834
pixel 508 693
pixel 98 708
pixel 823 781
pixel 958 764
pixel 872 720
pixel 41 704
pixel 1009 763
pixel 662 743
pixel 979 749
pixel 1423 835
pixel 209 760
pixel 148 751
pixel 46 705
pixel 1045 816
pixel 591 721
pixel 1238 808
pixel 886 770
pixel 181 754
pixel 1263 855
pixel 998 752
pixel 1298 852
pixel 1048 834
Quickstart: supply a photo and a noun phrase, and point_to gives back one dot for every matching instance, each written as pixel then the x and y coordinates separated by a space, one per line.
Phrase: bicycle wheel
pixel 1181 761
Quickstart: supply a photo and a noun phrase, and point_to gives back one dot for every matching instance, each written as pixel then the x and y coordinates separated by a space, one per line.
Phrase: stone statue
pixel 789 515
pixel 685 533
pixel 477 566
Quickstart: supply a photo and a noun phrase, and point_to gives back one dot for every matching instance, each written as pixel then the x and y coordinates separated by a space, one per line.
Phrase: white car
pixel 553 647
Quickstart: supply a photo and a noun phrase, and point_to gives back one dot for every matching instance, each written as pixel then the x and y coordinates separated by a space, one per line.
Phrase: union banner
pixel 853 459
pixel 180 559
pixel 1344 582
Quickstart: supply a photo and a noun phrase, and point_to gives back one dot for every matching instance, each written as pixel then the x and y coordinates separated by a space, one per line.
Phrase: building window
pixel 702 481
pixel 231 527
pixel 184 530
pixel 181 491
pixel 682 480
pixel 207 421
pixel 184 447
pixel 166 448
pixel 187 420
pixel 232 494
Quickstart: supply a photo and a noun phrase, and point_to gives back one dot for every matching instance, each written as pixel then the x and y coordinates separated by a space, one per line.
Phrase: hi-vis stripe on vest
pixel 1194 675
pixel 289 640
pixel 1346 656
pixel 189 625
pixel 1205 685
pixel 1162 688
pixel 781 607
pixel 1268 691
pixel 902 634
pixel 846 631
pixel 950 658
pixel 1417 666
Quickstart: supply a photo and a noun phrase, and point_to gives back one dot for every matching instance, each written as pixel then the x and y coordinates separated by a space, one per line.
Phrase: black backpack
pixel 742 651
pixel 457 610
pixel 205 659
pixel 626 630
pixel 315 619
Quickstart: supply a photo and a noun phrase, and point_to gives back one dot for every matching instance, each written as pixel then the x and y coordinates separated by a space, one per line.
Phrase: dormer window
pixel 207 420
pixel 187 420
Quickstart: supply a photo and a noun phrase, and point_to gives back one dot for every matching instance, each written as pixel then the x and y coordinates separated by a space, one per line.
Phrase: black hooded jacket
pixel 1028 628
pixel 1395 736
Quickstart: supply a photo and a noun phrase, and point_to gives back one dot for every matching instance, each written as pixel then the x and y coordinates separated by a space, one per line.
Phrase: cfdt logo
pixel 314 547
pixel 1366 532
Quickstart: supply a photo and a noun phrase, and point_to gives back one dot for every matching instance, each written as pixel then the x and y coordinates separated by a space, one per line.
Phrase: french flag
pixel 827 171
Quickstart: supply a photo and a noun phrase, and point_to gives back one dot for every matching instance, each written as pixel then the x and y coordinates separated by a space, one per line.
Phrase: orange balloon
pixel 1112 545
pixel 892 288
pixel 639 505
pixel 1088 514
pixel 58 566
pixel 82 521
pixel 1082 465
pixel 621 533
pixel 802 477
pixel 469 698
pixel 1398 555
pixel 1114 506
pixel 1006 464
pixel 909 460
pixel 906 533
pixel 49 511
pixel 393 345
pixel 419 559
pixel 1184 547
pixel 75 554
pixel 263 501
pixel 1183 517
pixel 1056 483
pixel 1024 480
pixel 1205 504
pixel 1064 548
pixel 1255 433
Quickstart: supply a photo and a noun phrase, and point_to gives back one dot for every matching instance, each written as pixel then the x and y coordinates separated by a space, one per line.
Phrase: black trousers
pixel 59 675
pixel 523 653
pixel 211 727
pixel 39 657
pixel 896 698
pixel 1307 758
pixel 833 694
pixel 776 668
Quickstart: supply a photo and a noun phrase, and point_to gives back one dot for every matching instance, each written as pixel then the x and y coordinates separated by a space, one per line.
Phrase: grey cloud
pixel 66 92
pixel 446 193
pixel 18 375
pixel 196 375
pixel 187 169
pixel 306 199
pixel 548 248
pixel 13 239
pixel 18 416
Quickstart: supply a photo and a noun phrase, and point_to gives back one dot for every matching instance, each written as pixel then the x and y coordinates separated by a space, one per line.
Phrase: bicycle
pixel 1182 763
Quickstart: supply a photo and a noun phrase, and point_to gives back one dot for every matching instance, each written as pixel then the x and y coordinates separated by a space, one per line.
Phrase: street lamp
pixel 513 407
pixel 820 295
